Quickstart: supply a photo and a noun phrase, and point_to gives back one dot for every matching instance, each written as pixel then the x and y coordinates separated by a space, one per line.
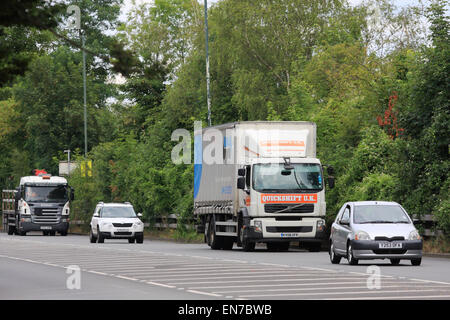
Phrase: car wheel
pixel 351 259
pixel 53 233
pixel 64 233
pixel 92 238
pixel 131 240
pixel 395 262
pixel 335 259
pixel 416 262
pixel 140 239
pixel 100 238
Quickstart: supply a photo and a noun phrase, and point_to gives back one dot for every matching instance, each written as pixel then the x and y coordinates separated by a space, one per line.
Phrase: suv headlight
pixel 138 224
pixel 361 235
pixel 414 235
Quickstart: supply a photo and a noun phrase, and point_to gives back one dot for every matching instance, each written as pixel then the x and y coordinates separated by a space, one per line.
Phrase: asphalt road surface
pixel 36 267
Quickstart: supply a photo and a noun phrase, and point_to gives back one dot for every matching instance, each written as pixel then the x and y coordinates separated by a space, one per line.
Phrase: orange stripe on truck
pixel 289 198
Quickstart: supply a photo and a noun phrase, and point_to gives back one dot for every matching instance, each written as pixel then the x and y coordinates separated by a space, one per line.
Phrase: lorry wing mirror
pixel 241 183
pixel 17 195
pixel 330 182
pixel 241 172
pixel 330 170
pixel 72 194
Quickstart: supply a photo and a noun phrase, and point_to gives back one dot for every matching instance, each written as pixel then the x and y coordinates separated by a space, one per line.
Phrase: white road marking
pixel 327 288
pixel 340 293
pixel 259 280
pixel 205 293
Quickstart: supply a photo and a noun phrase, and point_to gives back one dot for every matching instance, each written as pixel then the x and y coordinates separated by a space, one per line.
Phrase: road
pixel 35 267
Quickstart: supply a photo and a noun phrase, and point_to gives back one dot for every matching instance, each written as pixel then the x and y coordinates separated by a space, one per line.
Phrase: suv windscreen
pixel 118 212
pixel 379 214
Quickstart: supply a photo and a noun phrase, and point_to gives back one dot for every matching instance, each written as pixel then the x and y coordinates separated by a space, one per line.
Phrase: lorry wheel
pixel 52 233
pixel 10 230
pixel 100 238
pixel 214 241
pixel 228 243
pixel 314 247
pixel 22 233
pixel 246 245
pixel 64 233
pixel 45 233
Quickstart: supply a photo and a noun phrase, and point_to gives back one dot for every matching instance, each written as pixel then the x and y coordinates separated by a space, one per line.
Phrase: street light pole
pixel 208 92
pixel 84 94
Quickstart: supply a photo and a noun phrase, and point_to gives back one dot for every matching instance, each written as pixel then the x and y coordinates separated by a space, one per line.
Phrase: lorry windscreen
pixel 304 176
pixel 46 194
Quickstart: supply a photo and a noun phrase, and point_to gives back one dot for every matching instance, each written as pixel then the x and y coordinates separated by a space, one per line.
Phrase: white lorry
pixel 259 182
pixel 40 203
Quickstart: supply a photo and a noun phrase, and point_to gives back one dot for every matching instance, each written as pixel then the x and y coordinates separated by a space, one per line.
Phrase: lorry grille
pixel 122 225
pixel 47 219
pixel 289 208
pixel 45 215
pixel 289 229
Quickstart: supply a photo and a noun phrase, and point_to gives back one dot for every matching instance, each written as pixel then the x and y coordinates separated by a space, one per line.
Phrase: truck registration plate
pixel 390 245
pixel 46 228
pixel 289 235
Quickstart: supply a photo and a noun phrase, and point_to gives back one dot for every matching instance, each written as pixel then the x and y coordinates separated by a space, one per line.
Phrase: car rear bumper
pixel 368 249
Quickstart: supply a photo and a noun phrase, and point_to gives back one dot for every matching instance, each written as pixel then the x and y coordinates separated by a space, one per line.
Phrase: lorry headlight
pixel 320 225
pixel 361 235
pixel 414 235
pixel 258 225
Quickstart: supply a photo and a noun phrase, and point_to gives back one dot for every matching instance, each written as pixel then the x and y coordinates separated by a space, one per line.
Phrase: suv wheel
pixel 416 262
pixel 100 238
pixel 92 238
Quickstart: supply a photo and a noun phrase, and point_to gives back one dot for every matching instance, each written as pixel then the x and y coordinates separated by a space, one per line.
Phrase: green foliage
pixel 321 61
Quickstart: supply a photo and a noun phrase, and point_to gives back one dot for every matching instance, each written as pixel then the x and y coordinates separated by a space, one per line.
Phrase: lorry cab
pixel 43 205
pixel 260 181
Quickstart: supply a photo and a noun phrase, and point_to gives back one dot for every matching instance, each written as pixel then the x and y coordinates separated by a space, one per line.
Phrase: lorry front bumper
pixel 304 230
pixel 31 226
pixel 370 249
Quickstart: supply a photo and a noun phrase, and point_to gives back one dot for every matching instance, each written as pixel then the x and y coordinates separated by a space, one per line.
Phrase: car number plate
pixel 46 228
pixel 390 245
pixel 122 229
pixel 289 235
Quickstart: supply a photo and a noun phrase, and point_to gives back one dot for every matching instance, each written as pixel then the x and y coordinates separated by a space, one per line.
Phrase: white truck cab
pixel 116 221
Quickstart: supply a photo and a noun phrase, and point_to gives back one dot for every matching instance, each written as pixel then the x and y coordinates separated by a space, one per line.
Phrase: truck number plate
pixel 46 228
pixel 390 245
pixel 289 235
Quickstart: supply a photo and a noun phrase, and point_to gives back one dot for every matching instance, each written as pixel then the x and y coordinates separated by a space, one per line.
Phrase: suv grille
pixel 122 225
pixel 289 208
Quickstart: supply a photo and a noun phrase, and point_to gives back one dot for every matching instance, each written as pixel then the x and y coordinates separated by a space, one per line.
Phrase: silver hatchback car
pixel 374 230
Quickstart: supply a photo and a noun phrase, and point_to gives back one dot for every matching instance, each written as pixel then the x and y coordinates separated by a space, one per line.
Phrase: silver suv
pixel 374 230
